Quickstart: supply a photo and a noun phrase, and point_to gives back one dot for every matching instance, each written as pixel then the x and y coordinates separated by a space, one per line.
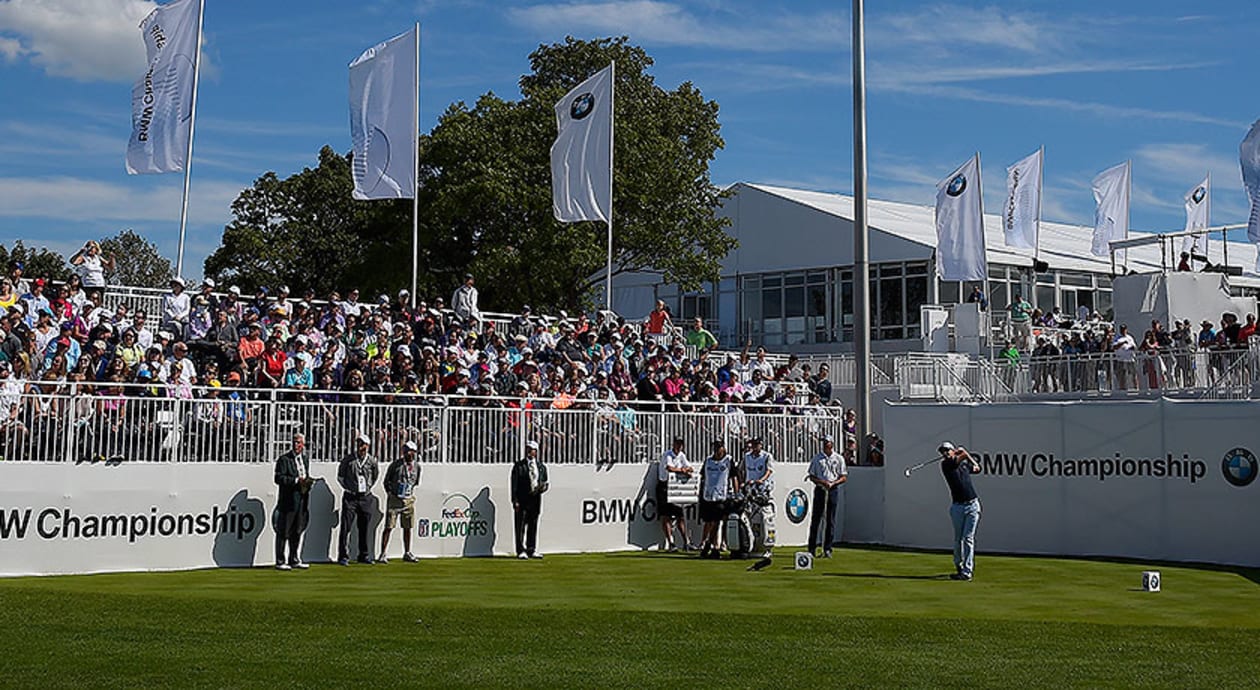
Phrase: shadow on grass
pixel 883 576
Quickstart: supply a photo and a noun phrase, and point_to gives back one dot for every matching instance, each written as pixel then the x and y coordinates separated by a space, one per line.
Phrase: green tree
pixel 37 263
pixel 485 199
pixel 137 261
pixel 486 185
pixel 306 231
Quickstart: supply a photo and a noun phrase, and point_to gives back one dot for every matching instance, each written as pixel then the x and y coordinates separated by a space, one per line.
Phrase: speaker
pixel 1040 266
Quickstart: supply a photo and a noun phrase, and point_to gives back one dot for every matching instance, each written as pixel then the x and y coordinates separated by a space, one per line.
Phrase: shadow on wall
pixel 237 531
pixel 321 526
pixel 376 517
pixel 643 529
pixel 481 536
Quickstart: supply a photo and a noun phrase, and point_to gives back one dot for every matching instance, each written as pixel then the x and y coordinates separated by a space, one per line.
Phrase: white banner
pixel 960 248
pixel 162 99
pixel 1160 480
pixel 581 157
pixel 383 101
pixel 1198 213
pixel 1111 214
pixel 67 518
pixel 1249 159
pixel 1022 215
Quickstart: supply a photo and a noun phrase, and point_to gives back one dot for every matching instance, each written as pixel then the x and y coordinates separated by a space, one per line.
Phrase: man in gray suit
pixel 357 475
pixel 293 477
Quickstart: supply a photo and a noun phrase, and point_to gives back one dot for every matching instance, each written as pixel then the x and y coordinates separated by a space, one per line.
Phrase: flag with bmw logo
pixel 1111 216
pixel 581 158
pixel 1198 211
pixel 1249 157
pixel 960 250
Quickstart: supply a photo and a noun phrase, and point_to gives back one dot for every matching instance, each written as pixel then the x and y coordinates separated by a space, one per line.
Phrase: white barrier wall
pixel 64 518
pixel 1154 480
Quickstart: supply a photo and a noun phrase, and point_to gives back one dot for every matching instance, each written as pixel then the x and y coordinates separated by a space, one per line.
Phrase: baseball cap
pixel 411 445
pixel 178 281
pixel 829 439
pixel 532 444
pixel 235 290
pixel 363 438
pixel 946 447
pixel 209 282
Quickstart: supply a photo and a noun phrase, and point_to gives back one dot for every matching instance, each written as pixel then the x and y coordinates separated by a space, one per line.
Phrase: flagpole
pixel 861 250
pixel 192 127
pixel 1128 201
pixel 415 192
pixel 988 329
pixel 612 128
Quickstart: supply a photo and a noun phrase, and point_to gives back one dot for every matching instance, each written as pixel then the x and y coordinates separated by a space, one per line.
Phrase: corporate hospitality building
pixel 789 284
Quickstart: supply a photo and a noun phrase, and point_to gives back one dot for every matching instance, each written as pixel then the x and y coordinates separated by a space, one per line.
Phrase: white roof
pixel 1064 247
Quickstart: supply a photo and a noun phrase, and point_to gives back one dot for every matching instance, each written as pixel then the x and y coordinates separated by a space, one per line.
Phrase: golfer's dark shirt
pixel 958 476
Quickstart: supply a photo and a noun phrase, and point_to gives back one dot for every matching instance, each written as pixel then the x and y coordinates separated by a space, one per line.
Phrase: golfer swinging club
pixel 957 465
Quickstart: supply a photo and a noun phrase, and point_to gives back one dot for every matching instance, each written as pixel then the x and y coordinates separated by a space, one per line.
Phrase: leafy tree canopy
pixel 485 199
pixel 37 263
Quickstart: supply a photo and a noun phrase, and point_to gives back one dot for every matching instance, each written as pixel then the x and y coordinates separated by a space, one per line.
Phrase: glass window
pixel 892 310
pixel 794 279
pixel 916 269
pixel 887 270
pixel 1045 297
pixel 817 277
pixel 771 280
pixel 846 301
pixel 794 302
pixel 916 296
pixel 1076 279
pixel 1045 278
pixel 948 292
pixel 771 304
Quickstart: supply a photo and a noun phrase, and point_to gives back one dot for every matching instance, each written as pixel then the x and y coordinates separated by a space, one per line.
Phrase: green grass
pixel 868 617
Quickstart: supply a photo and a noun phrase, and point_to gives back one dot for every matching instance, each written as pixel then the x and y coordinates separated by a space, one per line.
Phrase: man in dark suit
pixel 529 482
pixel 293 477
pixel 357 475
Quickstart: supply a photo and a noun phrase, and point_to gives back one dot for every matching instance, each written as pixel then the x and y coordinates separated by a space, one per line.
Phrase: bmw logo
pixel 796 506
pixel 1240 467
pixel 1198 195
pixel 582 106
pixel 957 186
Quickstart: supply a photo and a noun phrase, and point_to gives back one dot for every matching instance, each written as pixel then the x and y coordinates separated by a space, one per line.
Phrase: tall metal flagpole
pixel 612 129
pixel 861 258
pixel 415 192
pixel 192 127
pixel 1041 176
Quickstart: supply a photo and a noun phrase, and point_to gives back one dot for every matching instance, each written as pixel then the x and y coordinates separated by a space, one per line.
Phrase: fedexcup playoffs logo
pixel 1198 195
pixel 1240 467
pixel 796 506
pixel 582 106
pixel 957 186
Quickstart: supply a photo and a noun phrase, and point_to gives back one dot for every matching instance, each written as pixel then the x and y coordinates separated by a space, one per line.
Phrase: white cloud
pixel 11 49
pixel 85 40
pixel 77 199
pixel 666 23
pixel 954 26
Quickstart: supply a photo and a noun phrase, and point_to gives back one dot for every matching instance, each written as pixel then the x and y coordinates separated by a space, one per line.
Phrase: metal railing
pixel 91 424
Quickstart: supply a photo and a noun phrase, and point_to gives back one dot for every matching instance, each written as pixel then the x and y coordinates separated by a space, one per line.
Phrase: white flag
pixel 162 100
pixel 1198 212
pixel 581 158
pixel 960 250
pixel 1249 157
pixel 383 131
pixel 1111 217
pixel 1021 217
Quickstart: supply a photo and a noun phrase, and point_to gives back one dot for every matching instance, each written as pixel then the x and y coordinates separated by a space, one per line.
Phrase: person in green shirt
pixel 1021 319
pixel 700 338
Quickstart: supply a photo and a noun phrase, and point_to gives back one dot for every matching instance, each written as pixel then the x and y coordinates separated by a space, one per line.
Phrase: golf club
pixel 913 468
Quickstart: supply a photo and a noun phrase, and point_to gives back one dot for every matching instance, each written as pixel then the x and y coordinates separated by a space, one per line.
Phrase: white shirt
pixel 92 271
pixel 759 467
pixel 176 307
pixel 717 474
pixel 1125 347
pixel 672 462
pixel 828 468
pixel 187 373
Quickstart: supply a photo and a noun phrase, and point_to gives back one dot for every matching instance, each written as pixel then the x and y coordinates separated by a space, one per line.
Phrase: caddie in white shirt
pixel 715 485
pixel 674 466
pixel 759 483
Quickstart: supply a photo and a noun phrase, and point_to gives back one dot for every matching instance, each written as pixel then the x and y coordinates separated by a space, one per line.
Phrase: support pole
pixel 861 257
pixel 415 193
pixel 612 124
pixel 192 128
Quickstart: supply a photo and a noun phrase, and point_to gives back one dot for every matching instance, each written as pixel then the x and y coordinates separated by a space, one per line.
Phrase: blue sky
pixel 1167 84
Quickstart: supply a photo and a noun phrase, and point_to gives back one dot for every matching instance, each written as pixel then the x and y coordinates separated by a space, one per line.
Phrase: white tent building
pixel 789 283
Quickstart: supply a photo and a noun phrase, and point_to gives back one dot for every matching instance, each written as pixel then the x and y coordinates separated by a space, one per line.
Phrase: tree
pixel 137 261
pixel 485 199
pixel 41 263
pixel 305 231
pixel 486 184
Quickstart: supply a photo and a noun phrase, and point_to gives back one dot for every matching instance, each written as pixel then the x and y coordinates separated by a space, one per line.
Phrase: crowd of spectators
pixel 341 349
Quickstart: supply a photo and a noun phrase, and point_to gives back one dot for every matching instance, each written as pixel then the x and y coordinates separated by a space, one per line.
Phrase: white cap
pixel 946 446
pixel 234 290
pixel 532 444
pixel 411 445
pixel 829 439
pixel 208 282
pixel 363 438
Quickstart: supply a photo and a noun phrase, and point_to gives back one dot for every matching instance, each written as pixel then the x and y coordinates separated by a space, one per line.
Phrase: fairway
pixel 866 617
